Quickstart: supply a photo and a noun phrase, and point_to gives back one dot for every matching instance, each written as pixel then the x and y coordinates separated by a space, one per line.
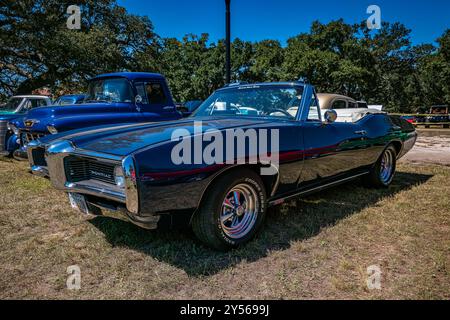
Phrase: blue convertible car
pixel 247 147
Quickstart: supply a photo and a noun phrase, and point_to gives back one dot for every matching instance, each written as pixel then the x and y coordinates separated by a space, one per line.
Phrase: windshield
pixel 263 101
pixel 11 105
pixel 64 101
pixel 109 90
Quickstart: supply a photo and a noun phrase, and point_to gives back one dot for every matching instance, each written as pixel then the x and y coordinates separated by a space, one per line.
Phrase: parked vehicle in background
pixel 124 97
pixel 69 99
pixel 410 119
pixel 16 108
pixel 378 107
pixel 347 109
pixel 439 114
pixel 131 169
pixel 362 105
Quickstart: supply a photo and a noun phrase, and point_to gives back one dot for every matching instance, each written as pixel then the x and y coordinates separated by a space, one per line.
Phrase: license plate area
pixel 78 202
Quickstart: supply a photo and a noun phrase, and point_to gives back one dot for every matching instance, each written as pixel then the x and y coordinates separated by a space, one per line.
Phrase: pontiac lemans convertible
pixel 207 169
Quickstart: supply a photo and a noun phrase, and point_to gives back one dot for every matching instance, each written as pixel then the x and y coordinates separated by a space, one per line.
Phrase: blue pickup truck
pixel 115 98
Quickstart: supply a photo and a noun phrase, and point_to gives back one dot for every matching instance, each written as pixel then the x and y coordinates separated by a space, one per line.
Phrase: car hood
pixel 125 139
pixel 9 115
pixel 47 115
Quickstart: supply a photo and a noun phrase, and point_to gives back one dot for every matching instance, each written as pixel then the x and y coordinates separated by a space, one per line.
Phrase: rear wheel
pixel 232 211
pixel 383 172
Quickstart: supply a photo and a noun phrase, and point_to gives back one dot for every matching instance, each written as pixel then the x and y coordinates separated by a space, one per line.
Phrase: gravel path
pixel 432 146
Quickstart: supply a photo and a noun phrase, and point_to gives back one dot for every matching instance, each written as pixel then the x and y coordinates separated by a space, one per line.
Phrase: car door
pixel 331 149
pixel 156 102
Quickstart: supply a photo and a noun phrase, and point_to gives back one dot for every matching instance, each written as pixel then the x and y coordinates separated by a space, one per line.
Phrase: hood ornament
pixel 30 122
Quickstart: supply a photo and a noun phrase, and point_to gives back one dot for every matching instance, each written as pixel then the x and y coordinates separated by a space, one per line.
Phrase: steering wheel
pixel 281 111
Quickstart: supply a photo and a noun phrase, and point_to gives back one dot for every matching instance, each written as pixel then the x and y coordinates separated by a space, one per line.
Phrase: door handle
pixel 169 108
pixel 361 132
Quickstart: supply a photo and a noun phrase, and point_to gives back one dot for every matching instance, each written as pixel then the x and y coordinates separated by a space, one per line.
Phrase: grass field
pixel 316 247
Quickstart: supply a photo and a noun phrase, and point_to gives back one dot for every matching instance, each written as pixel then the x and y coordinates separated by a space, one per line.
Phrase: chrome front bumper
pixel 36 169
pixel 56 153
pixel 40 171
pixel 21 154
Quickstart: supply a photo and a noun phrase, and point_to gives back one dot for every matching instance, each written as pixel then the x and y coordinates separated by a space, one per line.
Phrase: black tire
pixel 206 222
pixel 378 176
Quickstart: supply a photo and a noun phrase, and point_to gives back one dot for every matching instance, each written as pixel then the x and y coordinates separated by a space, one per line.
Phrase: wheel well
pixel 269 181
pixel 398 146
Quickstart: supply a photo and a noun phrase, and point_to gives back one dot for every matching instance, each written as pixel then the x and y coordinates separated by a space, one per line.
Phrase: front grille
pixel 26 137
pixel 3 126
pixel 38 155
pixel 81 169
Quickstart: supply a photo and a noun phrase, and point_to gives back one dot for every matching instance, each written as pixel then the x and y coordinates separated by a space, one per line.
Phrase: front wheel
pixel 232 211
pixel 383 172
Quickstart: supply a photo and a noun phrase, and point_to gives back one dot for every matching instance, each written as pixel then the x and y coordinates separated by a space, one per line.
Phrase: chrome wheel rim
pixel 387 166
pixel 239 211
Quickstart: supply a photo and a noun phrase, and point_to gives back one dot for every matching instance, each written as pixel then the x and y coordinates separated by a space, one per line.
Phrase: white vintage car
pixel 347 109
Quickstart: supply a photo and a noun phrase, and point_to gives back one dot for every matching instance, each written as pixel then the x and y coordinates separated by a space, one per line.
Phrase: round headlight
pixel 52 129
pixel 119 177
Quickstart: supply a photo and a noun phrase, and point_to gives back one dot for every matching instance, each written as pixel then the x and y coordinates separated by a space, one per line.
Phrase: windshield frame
pixel 87 98
pixel 199 112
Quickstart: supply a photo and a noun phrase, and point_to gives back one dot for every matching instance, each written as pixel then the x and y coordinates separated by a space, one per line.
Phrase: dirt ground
pixel 432 146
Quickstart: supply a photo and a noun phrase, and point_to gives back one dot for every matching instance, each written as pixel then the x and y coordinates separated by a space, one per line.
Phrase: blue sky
pixel 254 20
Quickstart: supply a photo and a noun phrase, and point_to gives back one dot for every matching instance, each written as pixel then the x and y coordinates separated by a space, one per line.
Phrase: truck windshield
pixel 109 90
pixel 254 100
pixel 11 105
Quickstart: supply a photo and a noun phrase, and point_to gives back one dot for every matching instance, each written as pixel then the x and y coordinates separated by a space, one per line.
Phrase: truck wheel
pixel 232 210
pixel 383 172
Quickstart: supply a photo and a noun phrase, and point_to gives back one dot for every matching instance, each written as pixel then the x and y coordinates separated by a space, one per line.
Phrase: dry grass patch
pixel 316 247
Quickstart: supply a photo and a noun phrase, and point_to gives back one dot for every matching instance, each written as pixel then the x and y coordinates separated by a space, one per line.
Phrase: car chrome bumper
pixel 94 190
pixel 36 168
pixel 39 171
pixel 20 154
pixel 57 152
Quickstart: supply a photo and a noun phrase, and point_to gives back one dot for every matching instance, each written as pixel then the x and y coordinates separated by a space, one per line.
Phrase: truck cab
pixel 115 98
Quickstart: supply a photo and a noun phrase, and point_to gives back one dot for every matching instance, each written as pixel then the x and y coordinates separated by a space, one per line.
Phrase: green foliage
pixel 39 50
pixel 381 67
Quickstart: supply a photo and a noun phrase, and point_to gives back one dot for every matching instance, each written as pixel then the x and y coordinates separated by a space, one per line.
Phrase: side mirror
pixel 182 108
pixel 138 102
pixel 330 116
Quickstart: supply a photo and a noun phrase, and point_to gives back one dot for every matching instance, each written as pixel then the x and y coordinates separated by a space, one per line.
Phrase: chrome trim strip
pixel 282 199
pixel 39 171
pixel 20 155
pixel 94 191
pixel 131 190
pixel 30 147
